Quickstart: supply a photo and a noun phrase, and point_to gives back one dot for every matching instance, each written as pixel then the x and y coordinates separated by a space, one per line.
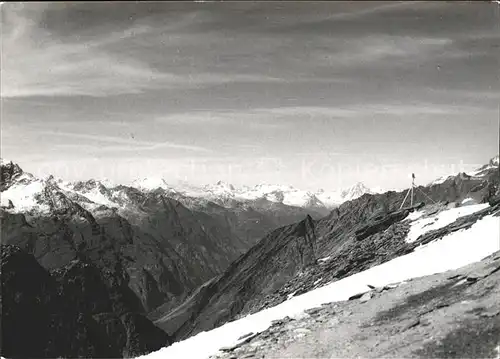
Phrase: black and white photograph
pixel 250 179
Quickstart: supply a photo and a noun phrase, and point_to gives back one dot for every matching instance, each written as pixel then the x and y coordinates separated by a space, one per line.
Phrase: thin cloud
pixel 373 50
pixel 371 10
pixel 36 63
pixel 277 118
pixel 364 110
pixel 130 144
pixel 246 119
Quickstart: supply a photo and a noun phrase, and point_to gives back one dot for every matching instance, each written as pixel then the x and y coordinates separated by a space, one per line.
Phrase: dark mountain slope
pixel 164 261
pixel 74 311
pixel 263 269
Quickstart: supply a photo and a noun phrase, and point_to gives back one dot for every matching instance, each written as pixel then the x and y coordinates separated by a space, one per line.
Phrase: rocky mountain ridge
pixel 223 192
pixel 358 234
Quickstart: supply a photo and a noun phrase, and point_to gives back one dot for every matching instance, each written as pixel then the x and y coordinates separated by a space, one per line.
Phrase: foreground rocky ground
pixel 448 315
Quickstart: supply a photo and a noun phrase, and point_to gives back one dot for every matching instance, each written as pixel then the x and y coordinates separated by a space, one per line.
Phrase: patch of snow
pixel 479 173
pixel 97 197
pixel 93 194
pixel 330 199
pixel 23 197
pixel 453 251
pixel 497 349
pixel 326 259
pixel 415 215
pixel 441 179
pixel 317 281
pixel 421 226
pixel 468 201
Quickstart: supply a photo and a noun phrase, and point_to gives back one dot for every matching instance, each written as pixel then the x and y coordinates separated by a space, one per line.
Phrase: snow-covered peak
pixel 224 185
pixel 492 163
pixel 86 186
pixel 355 191
pixel 285 194
pixel 221 188
pixel 4 161
pixel 495 161
pixel 10 169
pixel 269 187
pixel 151 183
pixel 105 193
pixel 479 172
pixel 24 196
pixel 12 174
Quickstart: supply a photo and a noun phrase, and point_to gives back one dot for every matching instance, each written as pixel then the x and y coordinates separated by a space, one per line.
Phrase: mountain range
pixel 224 193
pixel 185 260
pixel 105 193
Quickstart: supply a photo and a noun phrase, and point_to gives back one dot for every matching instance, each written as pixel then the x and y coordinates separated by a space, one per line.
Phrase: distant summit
pixel 479 172
pixel 10 171
pixel 222 192
pixel 355 191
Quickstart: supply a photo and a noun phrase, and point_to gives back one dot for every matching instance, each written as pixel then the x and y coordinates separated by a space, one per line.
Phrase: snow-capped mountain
pixel 288 195
pixel 222 192
pixel 26 188
pixel 25 191
pixel 355 191
pixel 150 183
pixel 493 163
pixel 478 173
pixel 247 219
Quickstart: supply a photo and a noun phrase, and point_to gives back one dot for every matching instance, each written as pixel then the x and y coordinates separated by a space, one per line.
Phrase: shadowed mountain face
pixel 163 260
pixel 359 234
pixel 74 311
pixel 263 269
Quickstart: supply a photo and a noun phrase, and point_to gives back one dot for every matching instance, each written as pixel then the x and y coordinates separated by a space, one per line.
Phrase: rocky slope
pixel 448 315
pixel 357 235
pixel 73 311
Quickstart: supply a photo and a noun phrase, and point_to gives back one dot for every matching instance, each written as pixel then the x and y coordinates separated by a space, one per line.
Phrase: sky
pixel 311 94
